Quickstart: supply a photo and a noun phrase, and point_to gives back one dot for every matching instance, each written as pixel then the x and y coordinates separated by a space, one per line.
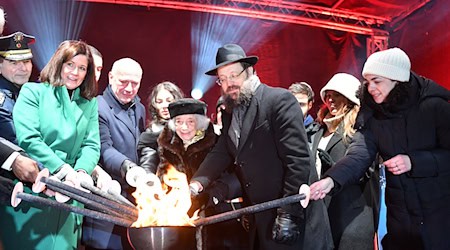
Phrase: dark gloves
pixel 246 220
pixel 6 187
pixel 126 165
pixel 285 230
pixel 325 158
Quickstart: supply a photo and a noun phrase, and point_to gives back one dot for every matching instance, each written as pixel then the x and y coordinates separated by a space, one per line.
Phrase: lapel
pixel 120 113
pixel 226 121
pixel 123 117
pixel 336 138
pixel 316 139
pixel 249 119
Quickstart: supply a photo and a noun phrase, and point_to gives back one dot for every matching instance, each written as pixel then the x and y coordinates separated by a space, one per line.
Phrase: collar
pixel 308 120
pixel 108 94
pixel 7 85
pixel 200 134
pixel 332 122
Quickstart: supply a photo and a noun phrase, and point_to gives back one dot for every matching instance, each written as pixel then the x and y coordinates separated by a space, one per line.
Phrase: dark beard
pixel 244 98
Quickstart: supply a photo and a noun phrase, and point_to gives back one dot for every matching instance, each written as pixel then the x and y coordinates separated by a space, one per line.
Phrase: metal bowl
pixel 162 238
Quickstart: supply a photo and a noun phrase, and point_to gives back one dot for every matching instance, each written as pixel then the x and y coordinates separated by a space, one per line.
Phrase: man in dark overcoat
pixel 122 120
pixel 263 135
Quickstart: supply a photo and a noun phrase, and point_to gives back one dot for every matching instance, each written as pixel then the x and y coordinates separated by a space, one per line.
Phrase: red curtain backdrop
pixel 425 37
pixel 160 39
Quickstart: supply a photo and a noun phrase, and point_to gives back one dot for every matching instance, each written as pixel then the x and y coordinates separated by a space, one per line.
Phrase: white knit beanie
pixel 392 63
pixel 343 83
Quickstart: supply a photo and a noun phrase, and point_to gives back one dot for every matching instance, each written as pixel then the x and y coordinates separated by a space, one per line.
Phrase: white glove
pixel 113 187
pixel 63 171
pixel 74 178
pixel 101 177
pixel 195 188
pixel 133 174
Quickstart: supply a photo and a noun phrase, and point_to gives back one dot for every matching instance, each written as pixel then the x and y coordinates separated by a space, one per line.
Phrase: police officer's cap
pixel 15 46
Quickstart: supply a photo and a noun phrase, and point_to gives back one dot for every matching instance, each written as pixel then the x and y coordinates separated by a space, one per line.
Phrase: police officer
pixel 15 70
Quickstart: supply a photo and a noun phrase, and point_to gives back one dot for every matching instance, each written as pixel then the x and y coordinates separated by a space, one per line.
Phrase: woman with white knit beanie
pixel 350 217
pixel 404 118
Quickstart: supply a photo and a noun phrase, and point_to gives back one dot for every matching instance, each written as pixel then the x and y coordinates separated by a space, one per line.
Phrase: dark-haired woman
pixel 57 124
pixel 405 119
pixel 162 95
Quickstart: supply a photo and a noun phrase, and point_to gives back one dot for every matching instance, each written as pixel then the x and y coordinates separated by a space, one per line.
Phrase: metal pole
pixel 110 195
pixel 86 212
pixel 90 199
pixel 248 210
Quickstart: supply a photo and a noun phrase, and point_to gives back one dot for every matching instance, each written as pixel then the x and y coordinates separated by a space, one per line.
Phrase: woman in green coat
pixel 57 124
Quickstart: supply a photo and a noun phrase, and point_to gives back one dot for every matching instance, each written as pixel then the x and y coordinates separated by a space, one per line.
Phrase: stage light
pixel 211 31
pixel 197 93
pixel 51 22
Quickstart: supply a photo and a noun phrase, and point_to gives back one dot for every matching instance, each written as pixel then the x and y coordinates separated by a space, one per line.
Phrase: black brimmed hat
pixel 15 46
pixel 231 53
pixel 187 106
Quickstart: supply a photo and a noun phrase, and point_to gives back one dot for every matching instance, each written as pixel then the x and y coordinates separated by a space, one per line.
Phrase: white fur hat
pixel 392 63
pixel 343 83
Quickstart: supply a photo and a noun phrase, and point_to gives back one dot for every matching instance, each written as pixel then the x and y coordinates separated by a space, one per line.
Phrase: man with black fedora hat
pixel 264 138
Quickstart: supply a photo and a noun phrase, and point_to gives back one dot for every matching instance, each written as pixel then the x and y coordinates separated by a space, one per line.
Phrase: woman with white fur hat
pixel 405 119
pixel 350 217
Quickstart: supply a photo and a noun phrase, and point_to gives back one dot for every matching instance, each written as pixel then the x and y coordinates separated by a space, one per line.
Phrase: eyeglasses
pixel 225 79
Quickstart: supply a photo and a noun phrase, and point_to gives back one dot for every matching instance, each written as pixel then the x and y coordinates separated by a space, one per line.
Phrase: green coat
pixel 53 129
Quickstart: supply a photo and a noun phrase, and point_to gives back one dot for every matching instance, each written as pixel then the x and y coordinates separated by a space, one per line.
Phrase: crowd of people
pixel 263 145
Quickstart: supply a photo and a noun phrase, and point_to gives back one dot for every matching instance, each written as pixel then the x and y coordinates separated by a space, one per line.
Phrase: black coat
pixel 272 161
pixel 351 218
pixel 171 151
pixel 8 95
pixel 148 148
pixel 414 121
pixel 6 149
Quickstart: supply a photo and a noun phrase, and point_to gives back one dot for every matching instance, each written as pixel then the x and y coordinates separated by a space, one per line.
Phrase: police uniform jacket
pixel 8 95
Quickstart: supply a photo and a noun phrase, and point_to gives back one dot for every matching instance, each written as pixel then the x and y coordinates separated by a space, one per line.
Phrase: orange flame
pixel 163 205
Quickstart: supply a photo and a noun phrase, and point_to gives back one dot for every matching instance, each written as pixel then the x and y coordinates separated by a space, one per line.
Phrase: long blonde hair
pixel 347 117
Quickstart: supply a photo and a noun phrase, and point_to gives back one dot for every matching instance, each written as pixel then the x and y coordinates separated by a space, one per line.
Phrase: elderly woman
pixel 184 143
pixel 162 95
pixel 187 138
pixel 350 217
pixel 57 124
pixel 405 119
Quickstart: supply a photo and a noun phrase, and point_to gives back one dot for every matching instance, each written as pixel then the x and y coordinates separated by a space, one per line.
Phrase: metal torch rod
pixel 90 202
pixel 107 195
pixel 90 199
pixel 248 210
pixel 86 212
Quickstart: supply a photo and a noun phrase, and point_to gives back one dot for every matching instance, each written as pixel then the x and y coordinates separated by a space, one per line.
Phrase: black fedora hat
pixel 231 53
